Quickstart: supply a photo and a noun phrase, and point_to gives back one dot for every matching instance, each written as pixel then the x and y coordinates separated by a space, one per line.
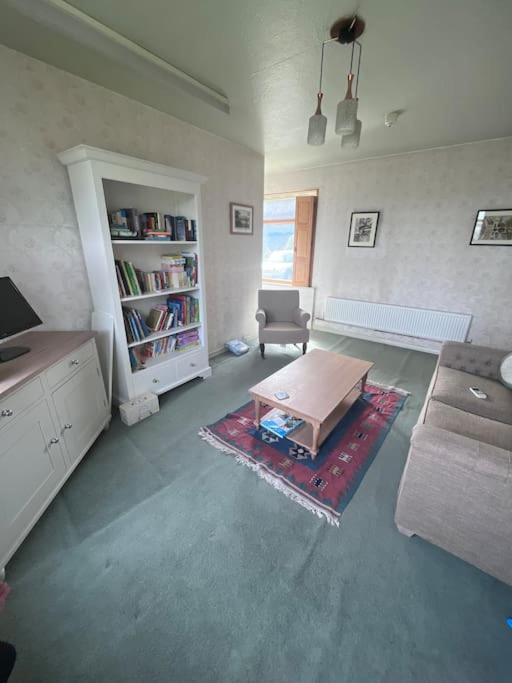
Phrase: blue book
pixel 280 423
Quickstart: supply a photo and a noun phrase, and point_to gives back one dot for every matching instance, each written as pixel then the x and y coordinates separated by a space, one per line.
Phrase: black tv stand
pixel 12 352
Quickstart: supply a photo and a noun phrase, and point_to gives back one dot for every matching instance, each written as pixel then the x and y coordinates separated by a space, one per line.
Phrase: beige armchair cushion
pixel 280 319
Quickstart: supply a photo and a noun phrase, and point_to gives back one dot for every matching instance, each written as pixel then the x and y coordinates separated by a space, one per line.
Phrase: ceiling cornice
pixel 74 23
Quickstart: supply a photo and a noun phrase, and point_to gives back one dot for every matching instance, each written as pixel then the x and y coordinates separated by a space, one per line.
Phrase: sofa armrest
pixel 483 361
pixel 300 317
pixel 452 451
pixel 261 317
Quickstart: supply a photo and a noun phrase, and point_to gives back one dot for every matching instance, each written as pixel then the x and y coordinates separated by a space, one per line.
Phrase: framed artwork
pixel 493 228
pixel 363 229
pixel 241 219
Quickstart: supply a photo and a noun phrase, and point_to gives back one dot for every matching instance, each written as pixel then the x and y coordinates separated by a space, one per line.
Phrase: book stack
pixel 124 224
pixel 181 268
pixel 153 227
pixel 140 354
pixel 127 280
pixel 181 229
pixel 160 318
pixel 185 341
pixel 135 325
pixel 185 309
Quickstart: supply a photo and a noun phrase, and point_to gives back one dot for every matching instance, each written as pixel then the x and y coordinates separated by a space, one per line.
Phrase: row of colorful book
pixel 178 270
pixel 126 224
pixel 139 355
pixel 179 311
pixel 185 309
pixel 136 327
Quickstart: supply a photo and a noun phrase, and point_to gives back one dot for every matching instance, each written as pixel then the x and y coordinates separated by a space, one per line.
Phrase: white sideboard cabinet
pixel 53 406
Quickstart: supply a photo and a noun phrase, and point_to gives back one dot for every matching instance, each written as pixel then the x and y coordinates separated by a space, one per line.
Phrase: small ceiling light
pixel 318 122
pixel 392 117
pixel 344 31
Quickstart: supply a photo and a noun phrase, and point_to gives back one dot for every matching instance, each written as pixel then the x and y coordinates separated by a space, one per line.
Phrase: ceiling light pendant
pixel 318 122
pixel 346 114
pixel 345 31
pixel 351 140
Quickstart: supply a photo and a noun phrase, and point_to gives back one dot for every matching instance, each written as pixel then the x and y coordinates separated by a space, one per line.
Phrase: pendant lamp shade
pixel 351 140
pixel 317 125
pixel 346 114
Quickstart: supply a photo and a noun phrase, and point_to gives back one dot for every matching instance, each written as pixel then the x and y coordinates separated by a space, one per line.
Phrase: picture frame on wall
pixel 241 219
pixel 363 229
pixel 493 227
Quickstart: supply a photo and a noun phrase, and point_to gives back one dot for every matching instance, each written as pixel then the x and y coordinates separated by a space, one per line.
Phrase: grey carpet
pixel 164 560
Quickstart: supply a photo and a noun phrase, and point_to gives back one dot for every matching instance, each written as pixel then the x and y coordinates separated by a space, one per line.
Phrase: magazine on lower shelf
pixel 280 423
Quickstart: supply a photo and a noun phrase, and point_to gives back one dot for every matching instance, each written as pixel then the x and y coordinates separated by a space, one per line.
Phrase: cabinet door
pixel 81 406
pixel 31 469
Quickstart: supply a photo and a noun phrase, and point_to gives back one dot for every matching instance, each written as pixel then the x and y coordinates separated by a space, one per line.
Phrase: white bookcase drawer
pixel 191 363
pixel 13 405
pixel 156 379
pixel 67 367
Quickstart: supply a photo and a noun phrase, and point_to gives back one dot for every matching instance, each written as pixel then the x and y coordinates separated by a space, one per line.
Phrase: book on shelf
pixel 127 279
pixel 280 423
pixel 185 341
pixel 160 318
pixel 135 325
pixel 140 354
pixel 124 224
pixel 177 270
pixel 185 309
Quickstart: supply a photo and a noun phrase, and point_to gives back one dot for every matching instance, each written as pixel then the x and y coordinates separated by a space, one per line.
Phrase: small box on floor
pixel 139 408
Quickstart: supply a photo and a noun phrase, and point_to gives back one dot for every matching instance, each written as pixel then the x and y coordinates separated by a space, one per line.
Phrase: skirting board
pixel 425 345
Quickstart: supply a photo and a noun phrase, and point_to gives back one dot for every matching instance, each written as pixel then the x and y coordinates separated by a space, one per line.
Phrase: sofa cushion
pixel 458 421
pixel 452 388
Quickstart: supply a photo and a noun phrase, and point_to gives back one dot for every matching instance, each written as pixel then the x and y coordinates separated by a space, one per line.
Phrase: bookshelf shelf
pixel 152 243
pixel 105 183
pixel 153 363
pixel 161 292
pixel 165 333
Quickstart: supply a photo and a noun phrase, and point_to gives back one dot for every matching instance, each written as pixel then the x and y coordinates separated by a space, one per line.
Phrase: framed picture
pixel 493 228
pixel 241 217
pixel 363 229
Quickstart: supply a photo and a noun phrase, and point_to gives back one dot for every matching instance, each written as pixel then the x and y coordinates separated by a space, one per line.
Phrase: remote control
pixel 281 395
pixel 477 392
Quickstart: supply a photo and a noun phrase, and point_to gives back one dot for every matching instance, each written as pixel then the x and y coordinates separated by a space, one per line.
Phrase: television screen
pixel 16 314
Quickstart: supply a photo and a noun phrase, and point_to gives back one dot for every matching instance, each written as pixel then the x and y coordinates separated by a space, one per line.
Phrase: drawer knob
pixel 6 412
pixel 75 361
pixel 155 380
pixel 68 426
pixel 54 441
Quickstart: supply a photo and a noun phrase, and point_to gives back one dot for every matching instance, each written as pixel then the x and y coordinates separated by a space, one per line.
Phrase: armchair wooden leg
pixel 262 350
pixel 304 348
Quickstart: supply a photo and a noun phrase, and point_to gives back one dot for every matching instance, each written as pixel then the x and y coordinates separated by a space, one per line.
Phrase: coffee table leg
pixel 363 383
pixel 316 437
pixel 257 413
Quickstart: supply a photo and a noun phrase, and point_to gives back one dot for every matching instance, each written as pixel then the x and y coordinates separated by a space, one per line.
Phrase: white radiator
pixel 412 322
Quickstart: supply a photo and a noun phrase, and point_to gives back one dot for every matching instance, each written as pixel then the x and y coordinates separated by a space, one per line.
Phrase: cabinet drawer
pixel 156 379
pixel 191 363
pixel 14 404
pixel 71 363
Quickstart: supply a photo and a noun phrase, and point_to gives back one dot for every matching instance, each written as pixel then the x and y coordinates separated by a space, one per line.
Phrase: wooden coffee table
pixel 322 386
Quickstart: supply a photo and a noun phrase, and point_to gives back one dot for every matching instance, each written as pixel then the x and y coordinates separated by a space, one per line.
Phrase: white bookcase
pixel 103 181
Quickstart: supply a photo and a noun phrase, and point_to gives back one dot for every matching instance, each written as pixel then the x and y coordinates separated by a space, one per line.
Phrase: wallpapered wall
pixel 428 203
pixel 44 110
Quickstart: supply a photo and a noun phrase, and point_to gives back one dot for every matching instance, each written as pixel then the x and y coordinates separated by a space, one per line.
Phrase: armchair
pixel 280 319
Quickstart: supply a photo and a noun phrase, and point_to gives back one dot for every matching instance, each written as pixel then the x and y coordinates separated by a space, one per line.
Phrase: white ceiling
pixel 447 63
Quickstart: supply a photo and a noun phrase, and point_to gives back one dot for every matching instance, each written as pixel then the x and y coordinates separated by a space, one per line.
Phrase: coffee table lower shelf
pixel 304 435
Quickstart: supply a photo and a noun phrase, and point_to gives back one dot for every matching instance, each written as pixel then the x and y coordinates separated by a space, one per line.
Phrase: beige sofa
pixel 456 489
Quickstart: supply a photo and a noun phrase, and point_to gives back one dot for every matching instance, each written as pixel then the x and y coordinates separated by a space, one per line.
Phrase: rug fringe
pixel 389 387
pixel 277 483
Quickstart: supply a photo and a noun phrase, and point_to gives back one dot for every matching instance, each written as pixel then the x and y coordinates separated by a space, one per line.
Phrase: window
pixel 288 229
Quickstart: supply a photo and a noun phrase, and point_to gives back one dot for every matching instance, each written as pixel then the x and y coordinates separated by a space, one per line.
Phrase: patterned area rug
pixel 326 484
